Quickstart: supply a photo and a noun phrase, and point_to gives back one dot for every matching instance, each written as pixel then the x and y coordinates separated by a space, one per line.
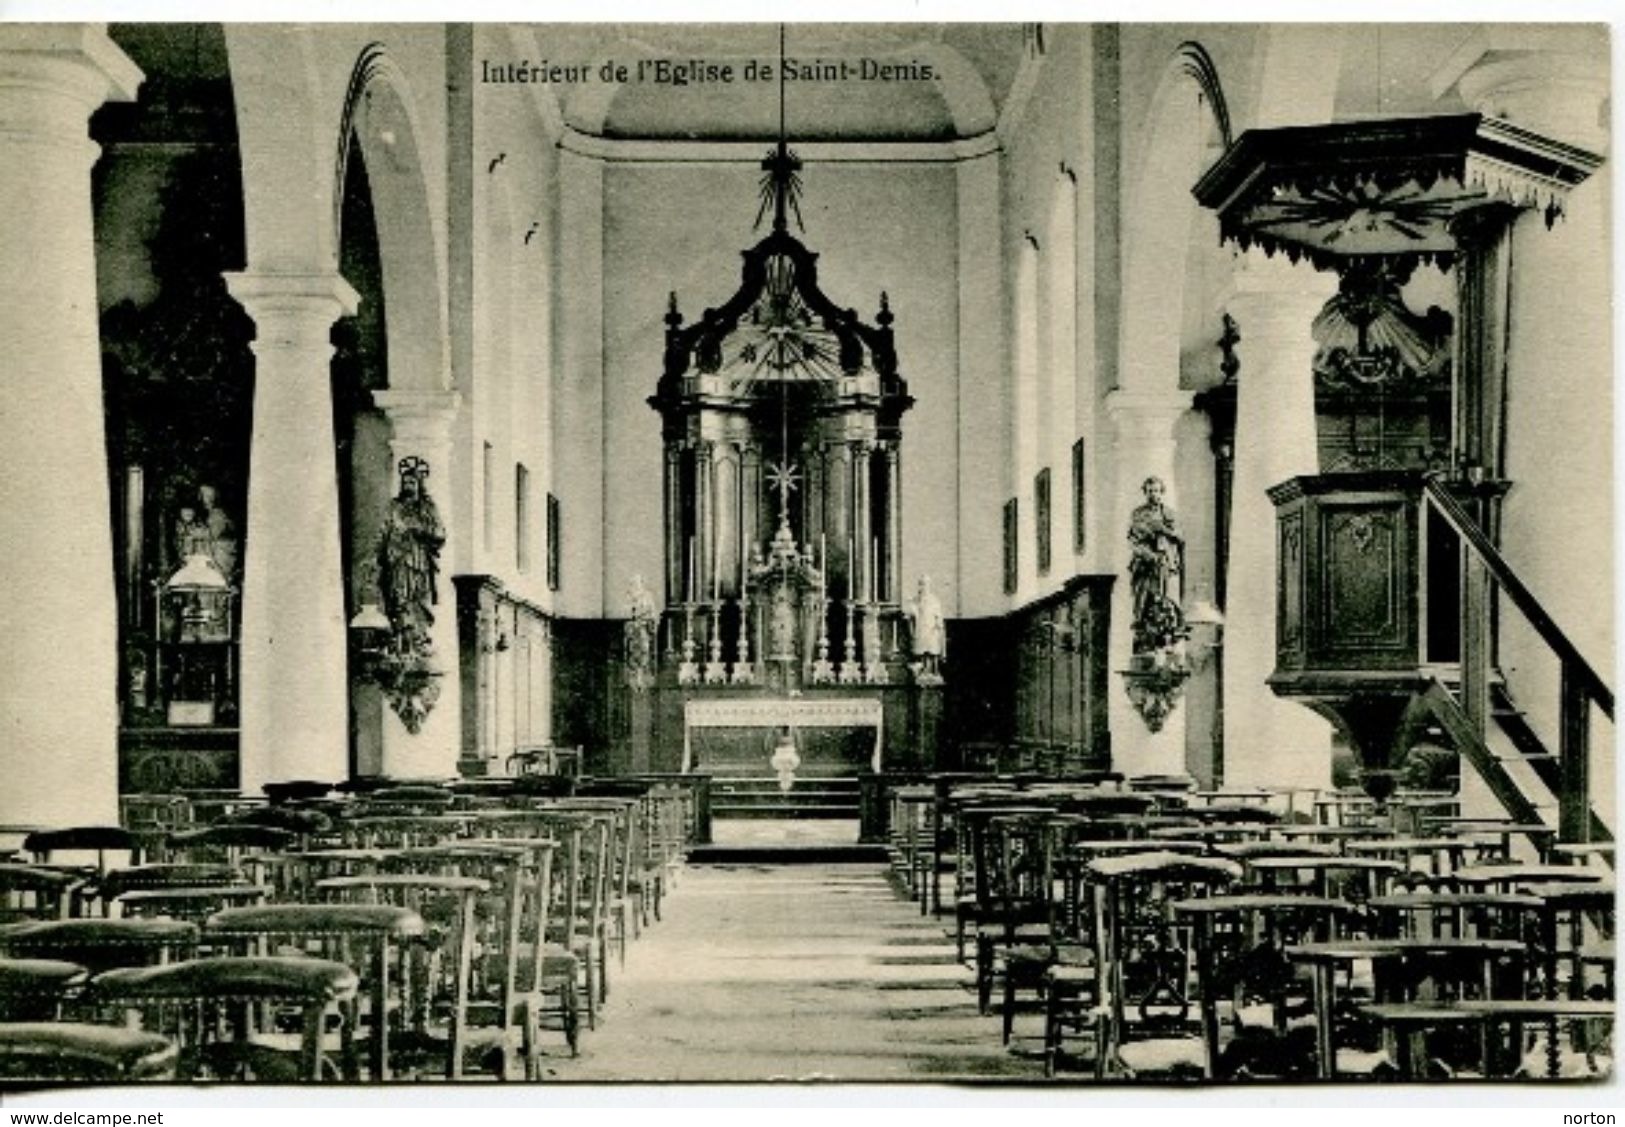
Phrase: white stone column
pixel 294 684
pixel 421 425
pixel 58 613
pixel 1267 740
pixel 1144 425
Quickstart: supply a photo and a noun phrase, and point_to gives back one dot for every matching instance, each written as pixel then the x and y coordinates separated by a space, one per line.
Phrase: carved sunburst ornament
pixel 1363 218
pixel 781 339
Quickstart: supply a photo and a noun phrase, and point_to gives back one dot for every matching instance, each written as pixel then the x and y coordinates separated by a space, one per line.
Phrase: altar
pixel 792 712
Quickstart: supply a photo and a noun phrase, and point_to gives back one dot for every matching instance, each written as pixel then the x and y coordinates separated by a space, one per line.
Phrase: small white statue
pixel 928 632
pixel 642 625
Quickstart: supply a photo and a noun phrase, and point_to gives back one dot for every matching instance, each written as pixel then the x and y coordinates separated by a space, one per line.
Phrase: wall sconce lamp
pixel 370 631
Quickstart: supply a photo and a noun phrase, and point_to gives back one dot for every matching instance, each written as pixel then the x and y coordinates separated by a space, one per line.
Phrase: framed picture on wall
pixel 1011 531
pixel 1080 536
pixel 1041 518
pixel 552 542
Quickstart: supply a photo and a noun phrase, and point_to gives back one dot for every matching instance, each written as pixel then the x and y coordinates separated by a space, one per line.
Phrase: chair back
pixel 98 944
pixel 1144 950
pixel 443 969
pixel 48 846
pixel 31 892
pixel 210 1005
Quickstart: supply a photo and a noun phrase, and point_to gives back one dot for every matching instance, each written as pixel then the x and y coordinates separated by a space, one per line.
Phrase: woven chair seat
pixel 1164 1056
pixel 235 835
pixel 1070 974
pixel 407 880
pixel 168 875
pixel 41 936
pixel 257 979
pixel 318 921
pixel 191 900
pixel 71 1051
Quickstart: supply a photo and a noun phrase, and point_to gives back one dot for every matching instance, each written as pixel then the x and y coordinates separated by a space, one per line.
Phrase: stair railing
pixel 1483 569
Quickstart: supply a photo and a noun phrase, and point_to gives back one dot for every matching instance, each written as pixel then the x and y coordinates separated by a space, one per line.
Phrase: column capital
pixel 77 59
pixel 1150 414
pixel 1271 296
pixel 417 415
pixel 270 293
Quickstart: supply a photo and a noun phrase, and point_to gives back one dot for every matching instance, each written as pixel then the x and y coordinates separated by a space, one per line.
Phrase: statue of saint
pixel 1155 564
pixel 781 625
pixel 409 554
pixel 222 532
pixel 928 631
pixel 191 535
pixel 642 625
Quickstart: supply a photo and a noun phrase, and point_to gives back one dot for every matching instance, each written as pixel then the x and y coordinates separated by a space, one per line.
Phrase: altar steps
pixel 759 796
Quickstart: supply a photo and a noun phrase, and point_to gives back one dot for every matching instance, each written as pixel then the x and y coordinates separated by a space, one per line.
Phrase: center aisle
pixel 792 972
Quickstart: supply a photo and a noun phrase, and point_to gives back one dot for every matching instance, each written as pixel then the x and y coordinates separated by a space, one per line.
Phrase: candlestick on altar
pixel 716 673
pixel 874 672
pixel 692 574
pixel 744 672
pixel 874 567
pixel 688 671
pixel 850 673
pixel 822 671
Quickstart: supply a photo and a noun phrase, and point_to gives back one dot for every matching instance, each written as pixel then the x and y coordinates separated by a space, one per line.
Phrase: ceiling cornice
pixel 686 151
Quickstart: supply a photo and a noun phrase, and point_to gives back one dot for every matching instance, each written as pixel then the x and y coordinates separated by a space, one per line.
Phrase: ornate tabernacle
pixel 782 427
pixel 782 424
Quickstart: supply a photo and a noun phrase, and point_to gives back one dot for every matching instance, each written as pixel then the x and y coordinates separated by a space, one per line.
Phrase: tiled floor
pixel 816 972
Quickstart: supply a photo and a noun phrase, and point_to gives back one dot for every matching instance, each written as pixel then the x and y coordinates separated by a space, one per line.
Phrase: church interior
pixel 923 552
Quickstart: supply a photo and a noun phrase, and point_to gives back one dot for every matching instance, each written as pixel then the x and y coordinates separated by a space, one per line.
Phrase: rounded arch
pixel 1188 113
pixel 380 123
pixel 286 161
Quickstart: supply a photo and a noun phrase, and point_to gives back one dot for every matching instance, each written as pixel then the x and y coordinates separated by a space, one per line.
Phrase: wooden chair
pixel 436 1025
pixel 28 892
pixel 590 945
pixel 620 865
pixel 1143 960
pixel 211 1004
pixel 557 970
pixel 1259 1017
pixel 93 1054
pixel 371 938
pixel 1011 909
pixel 493 1022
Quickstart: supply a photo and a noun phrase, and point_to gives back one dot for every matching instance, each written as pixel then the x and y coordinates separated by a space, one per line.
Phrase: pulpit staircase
pixel 1491 733
pixel 1389 705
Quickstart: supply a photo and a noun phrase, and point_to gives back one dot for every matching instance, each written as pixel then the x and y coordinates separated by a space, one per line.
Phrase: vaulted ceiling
pixel 900 81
